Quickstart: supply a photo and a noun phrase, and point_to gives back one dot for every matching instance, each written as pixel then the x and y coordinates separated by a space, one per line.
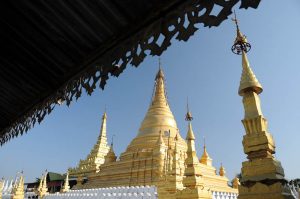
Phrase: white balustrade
pixel 223 195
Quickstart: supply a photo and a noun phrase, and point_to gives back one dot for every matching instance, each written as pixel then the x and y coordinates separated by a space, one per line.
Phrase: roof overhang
pixel 54 50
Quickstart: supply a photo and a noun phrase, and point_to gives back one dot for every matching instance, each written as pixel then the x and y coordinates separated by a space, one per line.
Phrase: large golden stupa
pixel 157 154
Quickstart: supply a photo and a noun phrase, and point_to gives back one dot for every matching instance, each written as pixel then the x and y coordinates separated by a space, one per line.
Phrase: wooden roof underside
pixel 53 50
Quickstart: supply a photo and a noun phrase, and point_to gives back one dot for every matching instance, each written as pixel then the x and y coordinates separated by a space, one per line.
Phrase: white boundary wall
pixel 138 192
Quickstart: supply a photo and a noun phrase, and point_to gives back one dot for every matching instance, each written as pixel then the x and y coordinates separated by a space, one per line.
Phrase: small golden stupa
pixel 42 189
pixel 18 188
pixel 66 186
pixel 2 182
pixel 158 155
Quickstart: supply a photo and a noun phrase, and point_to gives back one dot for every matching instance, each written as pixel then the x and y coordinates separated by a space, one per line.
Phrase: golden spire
pixel 190 134
pixel 258 143
pixel 188 117
pixel 103 125
pixel 235 183
pixel 97 155
pixel 248 79
pixel 159 92
pixel 102 139
pixel 66 186
pixel 192 171
pixel 42 189
pixel 159 116
pixel 2 182
pixel 40 184
pixel 44 186
pixel 205 159
pixel 241 46
pixel 18 190
pixel 111 156
pixel 222 171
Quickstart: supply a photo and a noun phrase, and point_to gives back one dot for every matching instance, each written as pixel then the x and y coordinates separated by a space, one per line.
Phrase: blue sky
pixel 205 70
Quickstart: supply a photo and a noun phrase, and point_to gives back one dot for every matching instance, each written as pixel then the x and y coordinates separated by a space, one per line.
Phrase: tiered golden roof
pixel 96 157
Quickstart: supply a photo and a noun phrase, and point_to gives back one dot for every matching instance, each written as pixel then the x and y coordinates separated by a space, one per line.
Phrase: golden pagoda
pixel 262 174
pixel 159 156
pixel 42 189
pixel 66 186
pixel 18 189
pixel 193 180
pixel 95 159
pixel 2 182
pixel 236 183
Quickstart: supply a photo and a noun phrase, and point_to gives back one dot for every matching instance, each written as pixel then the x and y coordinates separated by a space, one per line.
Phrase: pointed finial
pixel 187 104
pixel 240 44
pixel 222 171
pixel 112 140
pixel 160 73
pixel 104 116
pixel 235 21
pixel 190 134
pixel 188 116
pixel 159 62
pixel 204 142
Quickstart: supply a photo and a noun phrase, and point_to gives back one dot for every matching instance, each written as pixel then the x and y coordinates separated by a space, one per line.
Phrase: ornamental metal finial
pixel 240 44
pixel 112 140
pixel 159 62
pixel 188 116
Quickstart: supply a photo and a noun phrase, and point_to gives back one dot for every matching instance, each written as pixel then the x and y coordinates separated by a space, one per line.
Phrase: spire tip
pixel 240 44
pixel 188 116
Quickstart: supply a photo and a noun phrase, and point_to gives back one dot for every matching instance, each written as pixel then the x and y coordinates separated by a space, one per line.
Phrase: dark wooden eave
pixel 53 50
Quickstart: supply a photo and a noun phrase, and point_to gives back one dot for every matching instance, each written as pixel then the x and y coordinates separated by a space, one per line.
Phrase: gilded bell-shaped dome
pixel 159 116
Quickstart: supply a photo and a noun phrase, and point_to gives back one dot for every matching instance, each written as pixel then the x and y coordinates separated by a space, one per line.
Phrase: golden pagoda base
pixel 263 179
pixel 263 191
pixel 213 181
pixel 195 193
pixel 260 169
pixel 175 190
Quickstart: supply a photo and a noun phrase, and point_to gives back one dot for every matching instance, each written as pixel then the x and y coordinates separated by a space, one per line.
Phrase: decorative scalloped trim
pixel 178 22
